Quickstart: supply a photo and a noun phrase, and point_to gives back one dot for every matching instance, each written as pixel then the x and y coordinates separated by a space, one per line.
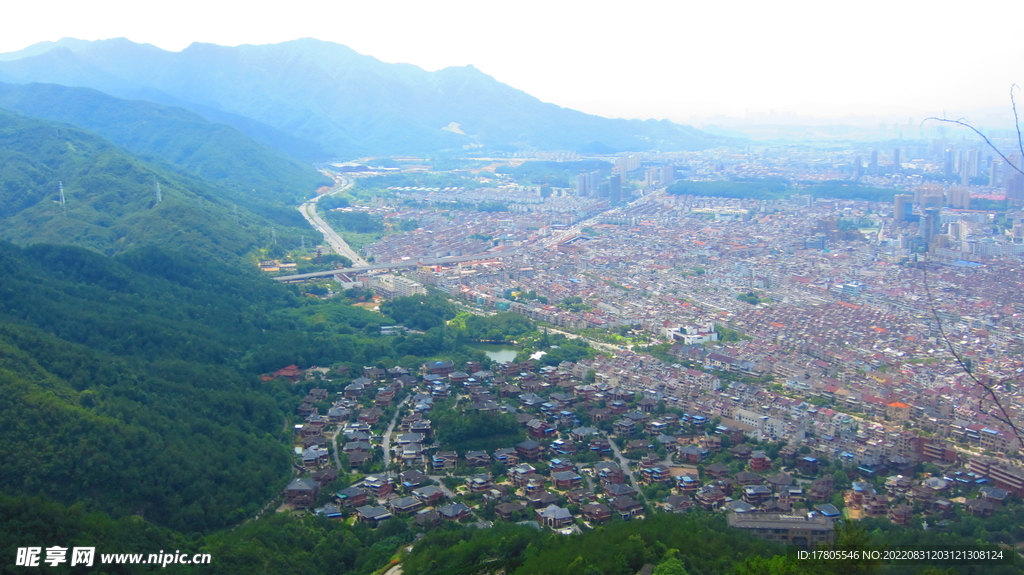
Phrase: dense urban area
pixel 842 348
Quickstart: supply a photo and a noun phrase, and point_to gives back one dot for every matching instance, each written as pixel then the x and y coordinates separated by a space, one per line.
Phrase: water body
pixel 499 352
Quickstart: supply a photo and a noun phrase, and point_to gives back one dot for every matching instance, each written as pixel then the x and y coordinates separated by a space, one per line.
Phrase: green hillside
pixel 251 174
pixel 122 387
pixel 130 385
pixel 110 197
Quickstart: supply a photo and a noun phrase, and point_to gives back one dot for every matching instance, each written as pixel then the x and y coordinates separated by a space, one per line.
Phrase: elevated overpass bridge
pixel 400 265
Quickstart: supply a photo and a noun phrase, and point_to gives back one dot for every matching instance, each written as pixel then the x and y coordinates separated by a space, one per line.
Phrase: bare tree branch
pixel 1016 122
pixel 988 387
pixel 983 137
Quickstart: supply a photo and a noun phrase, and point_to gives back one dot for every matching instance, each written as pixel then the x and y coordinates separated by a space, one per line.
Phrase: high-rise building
pixel 668 175
pixel 1013 163
pixel 873 165
pixel 994 169
pixel 627 163
pixel 1013 181
pixel 896 166
pixel 930 223
pixel 1015 187
pixel 957 230
pixel 958 198
pixel 615 189
pixel 970 161
pixel 903 207
pixel 581 186
pixel 816 242
pixel 650 177
pixel 593 184
pixel 926 190
pixel 802 200
pixel 932 200
pixel 858 169
pixel 949 164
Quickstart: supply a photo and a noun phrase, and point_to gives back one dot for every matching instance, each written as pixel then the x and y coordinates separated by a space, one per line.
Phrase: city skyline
pixel 793 62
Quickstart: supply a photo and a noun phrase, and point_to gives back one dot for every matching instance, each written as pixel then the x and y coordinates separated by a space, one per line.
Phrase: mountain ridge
pixel 349 103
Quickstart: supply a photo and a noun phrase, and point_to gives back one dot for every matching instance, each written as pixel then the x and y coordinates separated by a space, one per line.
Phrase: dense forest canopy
pixel 150 357
pixel 463 430
pixel 124 386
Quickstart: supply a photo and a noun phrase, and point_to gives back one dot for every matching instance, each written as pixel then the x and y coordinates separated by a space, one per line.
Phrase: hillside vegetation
pixel 123 389
pixel 110 197
pixel 250 174
pixel 130 381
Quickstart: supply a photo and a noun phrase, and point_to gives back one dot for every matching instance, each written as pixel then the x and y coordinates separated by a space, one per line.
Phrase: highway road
pixel 308 211
pixel 406 264
pixel 338 244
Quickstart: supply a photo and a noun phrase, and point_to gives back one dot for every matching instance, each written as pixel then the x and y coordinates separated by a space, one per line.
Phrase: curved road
pixel 625 467
pixel 387 434
pixel 308 211
pixel 334 442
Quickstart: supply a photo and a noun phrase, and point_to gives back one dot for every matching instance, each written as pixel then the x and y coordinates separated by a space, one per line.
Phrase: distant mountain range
pixel 317 100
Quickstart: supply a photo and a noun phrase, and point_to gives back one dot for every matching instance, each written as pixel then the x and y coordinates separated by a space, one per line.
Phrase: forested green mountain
pixel 129 383
pixel 132 418
pixel 130 386
pixel 111 201
pixel 122 386
pixel 349 103
pixel 253 174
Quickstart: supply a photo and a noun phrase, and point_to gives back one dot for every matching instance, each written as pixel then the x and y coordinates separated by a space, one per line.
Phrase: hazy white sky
pixel 640 58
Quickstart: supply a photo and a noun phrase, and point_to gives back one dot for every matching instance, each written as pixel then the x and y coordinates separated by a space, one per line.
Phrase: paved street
pixel 624 464
pixel 387 434
pixel 337 243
